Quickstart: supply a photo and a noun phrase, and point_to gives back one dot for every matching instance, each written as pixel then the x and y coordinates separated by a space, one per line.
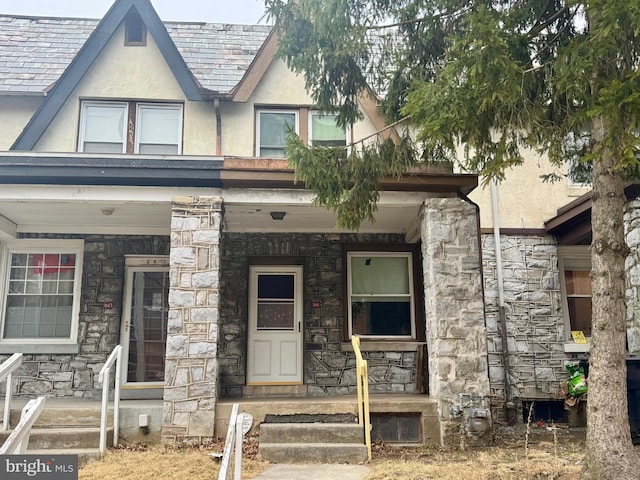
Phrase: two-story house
pixel 146 201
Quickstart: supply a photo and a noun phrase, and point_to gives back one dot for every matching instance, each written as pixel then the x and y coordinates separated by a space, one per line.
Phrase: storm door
pixel 144 329
pixel 275 326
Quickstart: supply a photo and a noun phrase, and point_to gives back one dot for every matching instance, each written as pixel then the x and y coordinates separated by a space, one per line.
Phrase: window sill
pixel 39 348
pixel 576 347
pixel 383 346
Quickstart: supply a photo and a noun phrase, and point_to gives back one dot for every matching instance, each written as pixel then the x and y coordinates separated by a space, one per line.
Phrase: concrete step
pixel 85 455
pixel 67 413
pixel 63 438
pixel 311 433
pixel 313 452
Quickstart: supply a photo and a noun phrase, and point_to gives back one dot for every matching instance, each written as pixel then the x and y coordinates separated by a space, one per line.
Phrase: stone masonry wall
pixel 456 334
pixel 191 365
pixel 76 375
pixel 632 266
pixel 533 312
pixel 327 369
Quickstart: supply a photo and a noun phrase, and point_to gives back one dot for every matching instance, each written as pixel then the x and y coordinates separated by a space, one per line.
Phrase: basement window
pixel 396 428
pixel 135 31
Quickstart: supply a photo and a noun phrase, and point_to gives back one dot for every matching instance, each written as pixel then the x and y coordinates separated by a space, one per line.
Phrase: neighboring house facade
pixel 145 201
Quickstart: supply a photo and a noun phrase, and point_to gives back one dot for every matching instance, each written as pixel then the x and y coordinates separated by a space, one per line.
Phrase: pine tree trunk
pixel 610 453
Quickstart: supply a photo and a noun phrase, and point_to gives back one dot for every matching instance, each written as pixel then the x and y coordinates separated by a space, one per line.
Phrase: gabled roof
pixel 86 56
pixel 35 51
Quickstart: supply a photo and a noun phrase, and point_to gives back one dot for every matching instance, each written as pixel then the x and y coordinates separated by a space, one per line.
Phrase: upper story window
pixel 325 132
pixel 130 127
pixel 575 271
pixel 40 291
pixel 272 129
pixel 381 295
pixel 135 31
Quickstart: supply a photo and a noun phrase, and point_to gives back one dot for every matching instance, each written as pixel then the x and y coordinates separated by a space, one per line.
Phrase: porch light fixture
pixel 277 215
pixel 107 211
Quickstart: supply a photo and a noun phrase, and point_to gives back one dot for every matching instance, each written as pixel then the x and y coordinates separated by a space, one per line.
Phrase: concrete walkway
pixel 314 471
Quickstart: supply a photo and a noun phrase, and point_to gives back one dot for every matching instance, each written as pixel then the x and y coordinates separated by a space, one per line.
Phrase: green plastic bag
pixel 577 381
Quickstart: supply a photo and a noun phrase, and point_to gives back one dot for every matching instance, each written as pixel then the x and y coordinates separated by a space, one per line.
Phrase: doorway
pixel 274 355
pixel 144 329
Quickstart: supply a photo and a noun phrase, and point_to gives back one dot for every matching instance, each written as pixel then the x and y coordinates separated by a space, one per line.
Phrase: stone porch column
pixel 191 368
pixel 454 305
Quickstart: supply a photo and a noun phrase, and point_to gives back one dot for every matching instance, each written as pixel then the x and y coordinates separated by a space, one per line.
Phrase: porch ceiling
pixel 147 211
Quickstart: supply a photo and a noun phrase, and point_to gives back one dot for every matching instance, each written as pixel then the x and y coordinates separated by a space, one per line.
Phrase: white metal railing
pixel 19 438
pixel 239 425
pixel 362 376
pixel 103 377
pixel 6 372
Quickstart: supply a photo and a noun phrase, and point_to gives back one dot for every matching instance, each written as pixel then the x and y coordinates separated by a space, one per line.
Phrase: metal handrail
pixel 103 377
pixel 6 372
pixel 362 378
pixel 19 439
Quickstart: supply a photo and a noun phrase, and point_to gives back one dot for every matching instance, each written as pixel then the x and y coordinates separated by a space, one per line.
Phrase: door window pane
pixel 276 302
pixel 148 326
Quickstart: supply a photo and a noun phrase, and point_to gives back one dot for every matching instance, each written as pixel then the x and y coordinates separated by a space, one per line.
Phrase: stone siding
pixel 191 364
pixel 632 266
pixel 455 323
pixel 76 375
pixel 534 320
pixel 327 369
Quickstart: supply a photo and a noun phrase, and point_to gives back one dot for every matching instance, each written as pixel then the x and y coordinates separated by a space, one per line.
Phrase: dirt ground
pixel 536 454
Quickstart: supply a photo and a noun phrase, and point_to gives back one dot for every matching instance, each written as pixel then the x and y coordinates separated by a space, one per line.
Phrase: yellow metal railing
pixel 362 377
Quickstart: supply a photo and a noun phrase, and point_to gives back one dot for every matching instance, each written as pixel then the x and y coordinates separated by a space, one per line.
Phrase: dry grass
pixel 160 462
pixel 541 456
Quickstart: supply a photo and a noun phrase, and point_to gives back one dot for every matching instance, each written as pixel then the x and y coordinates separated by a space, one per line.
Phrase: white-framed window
pixel 381 295
pixel 40 291
pixel 325 132
pixel 130 127
pixel 575 281
pixel 103 127
pixel 272 129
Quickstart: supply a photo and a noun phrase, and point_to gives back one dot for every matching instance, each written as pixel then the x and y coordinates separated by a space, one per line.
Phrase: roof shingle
pixel 35 51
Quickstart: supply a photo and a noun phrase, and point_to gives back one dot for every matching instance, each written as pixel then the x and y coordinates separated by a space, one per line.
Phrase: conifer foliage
pixel 488 79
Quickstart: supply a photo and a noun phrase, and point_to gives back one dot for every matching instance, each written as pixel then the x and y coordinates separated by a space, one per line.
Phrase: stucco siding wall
pixel 15 113
pixel 524 200
pixel 137 73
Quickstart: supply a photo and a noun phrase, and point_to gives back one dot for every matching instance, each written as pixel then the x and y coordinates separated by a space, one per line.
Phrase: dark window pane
pixel 275 286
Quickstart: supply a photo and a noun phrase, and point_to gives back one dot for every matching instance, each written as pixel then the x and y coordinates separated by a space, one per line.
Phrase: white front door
pixel 144 328
pixel 275 325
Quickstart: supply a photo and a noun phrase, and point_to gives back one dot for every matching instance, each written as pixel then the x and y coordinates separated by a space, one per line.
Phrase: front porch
pixel 422 408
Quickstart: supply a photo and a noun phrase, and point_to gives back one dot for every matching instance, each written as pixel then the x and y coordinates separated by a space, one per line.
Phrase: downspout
pixel 508 397
pixel 216 108
pixel 479 235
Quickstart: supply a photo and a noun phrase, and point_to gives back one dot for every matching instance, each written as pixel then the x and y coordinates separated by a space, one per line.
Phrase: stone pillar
pixel 454 306
pixel 191 368
pixel 632 267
